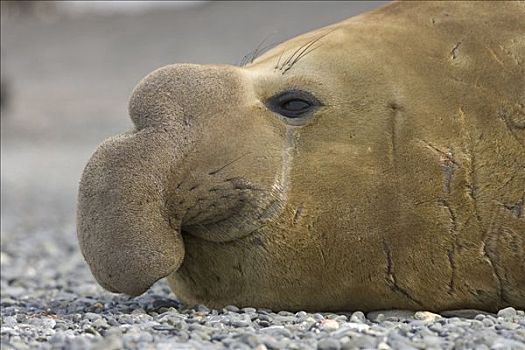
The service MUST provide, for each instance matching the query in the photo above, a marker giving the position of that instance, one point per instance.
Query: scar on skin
(454, 51)
(391, 277)
(297, 215)
(453, 230)
(448, 164)
(395, 113)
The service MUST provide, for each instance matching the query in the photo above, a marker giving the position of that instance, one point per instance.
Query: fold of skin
(404, 189)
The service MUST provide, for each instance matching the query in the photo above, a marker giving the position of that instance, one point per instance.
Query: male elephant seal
(373, 164)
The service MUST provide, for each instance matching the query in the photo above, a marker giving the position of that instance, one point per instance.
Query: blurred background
(67, 69)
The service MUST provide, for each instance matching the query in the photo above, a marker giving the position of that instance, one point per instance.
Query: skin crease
(405, 189)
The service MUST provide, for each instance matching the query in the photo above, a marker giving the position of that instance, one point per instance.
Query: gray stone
(100, 323)
(145, 337)
(433, 341)
(57, 338)
(345, 331)
(328, 344)
(426, 316)
(92, 316)
(241, 323)
(301, 314)
(508, 312)
(363, 341)
(318, 316)
(329, 325)
(112, 342)
(502, 343)
(341, 318)
(507, 325)
(276, 331)
(358, 316)
(464, 313)
(231, 308)
(9, 321)
(285, 313)
(488, 322)
(392, 315)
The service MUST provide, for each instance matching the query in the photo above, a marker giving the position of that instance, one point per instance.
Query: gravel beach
(68, 81)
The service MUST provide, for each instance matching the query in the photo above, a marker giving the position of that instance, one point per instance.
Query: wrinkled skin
(404, 189)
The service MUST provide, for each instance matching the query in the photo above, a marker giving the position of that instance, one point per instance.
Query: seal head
(376, 163)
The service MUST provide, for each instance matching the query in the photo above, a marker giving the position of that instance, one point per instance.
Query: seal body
(399, 182)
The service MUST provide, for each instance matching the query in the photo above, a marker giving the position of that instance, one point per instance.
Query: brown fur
(406, 189)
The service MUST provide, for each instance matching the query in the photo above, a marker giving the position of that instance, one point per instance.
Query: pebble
(358, 317)
(433, 341)
(9, 321)
(329, 325)
(231, 308)
(508, 312)
(507, 325)
(111, 343)
(464, 313)
(364, 341)
(100, 323)
(241, 323)
(5, 259)
(276, 331)
(92, 316)
(301, 315)
(487, 322)
(427, 316)
(383, 346)
(503, 343)
(394, 315)
(357, 326)
(328, 344)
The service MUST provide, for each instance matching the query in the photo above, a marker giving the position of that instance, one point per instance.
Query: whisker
(244, 60)
(303, 49)
(252, 55)
(301, 52)
(263, 50)
(295, 52)
(290, 64)
(279, 60)
(299, 57)
(227, 164)
(258, 50)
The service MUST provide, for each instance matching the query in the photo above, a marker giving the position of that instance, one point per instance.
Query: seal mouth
(245, 220)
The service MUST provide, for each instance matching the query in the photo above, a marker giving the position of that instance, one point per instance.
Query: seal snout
(176, 95)
(130, 208)
(122, 225)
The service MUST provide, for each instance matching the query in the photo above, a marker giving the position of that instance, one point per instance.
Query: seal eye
(293, 103)
(292, 108)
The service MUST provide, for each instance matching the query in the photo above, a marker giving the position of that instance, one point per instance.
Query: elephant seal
(377, 163)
